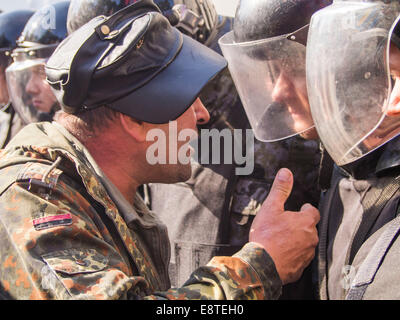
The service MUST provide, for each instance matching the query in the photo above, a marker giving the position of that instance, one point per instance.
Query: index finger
(310, 210)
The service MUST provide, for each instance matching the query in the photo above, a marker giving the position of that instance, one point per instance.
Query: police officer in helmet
(360, 94)
(267, 54)
(352, 71)
(31, 94)
(271, 38)
(11, 26)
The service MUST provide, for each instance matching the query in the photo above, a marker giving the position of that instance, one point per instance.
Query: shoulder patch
(52, 221)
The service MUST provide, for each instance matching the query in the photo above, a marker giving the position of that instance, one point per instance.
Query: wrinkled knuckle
(315, 216)
(311, 221)
(312, 212)
(283, 189)
(308, 223)
(315, 241)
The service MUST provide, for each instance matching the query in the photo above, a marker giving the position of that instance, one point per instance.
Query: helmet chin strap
(48, 116)
(300, 35)
(45, 117)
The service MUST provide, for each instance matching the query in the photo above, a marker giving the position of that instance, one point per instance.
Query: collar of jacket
(376, 163)
(390, 157)
(139, 214)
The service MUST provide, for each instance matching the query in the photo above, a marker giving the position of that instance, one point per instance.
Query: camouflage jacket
(64, 236)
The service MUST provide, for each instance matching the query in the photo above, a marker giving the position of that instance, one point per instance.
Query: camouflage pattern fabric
(58, 243)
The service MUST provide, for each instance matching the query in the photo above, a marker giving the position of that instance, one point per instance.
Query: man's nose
(31, 86)
(202, 114)
(283, 89)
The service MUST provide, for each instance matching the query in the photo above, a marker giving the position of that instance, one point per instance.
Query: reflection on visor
(348, 77)
(271, 81)
(31, 95)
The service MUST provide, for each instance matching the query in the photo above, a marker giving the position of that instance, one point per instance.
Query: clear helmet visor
(350, 59)
(30, 94)
(270, 78)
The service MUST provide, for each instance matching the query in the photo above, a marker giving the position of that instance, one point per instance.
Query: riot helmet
(353, 76)
(11, 25)
(31, 95)
(195, 18)
(266, 52)
(82, 11)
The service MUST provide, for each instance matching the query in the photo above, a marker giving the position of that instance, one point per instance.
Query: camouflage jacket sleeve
(55, 246)
(248, 275)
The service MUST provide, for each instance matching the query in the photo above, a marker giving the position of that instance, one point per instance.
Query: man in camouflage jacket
(59, 243)
(69, 226)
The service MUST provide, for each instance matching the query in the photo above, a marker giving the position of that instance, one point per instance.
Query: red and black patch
(52, 221)
(128, 2)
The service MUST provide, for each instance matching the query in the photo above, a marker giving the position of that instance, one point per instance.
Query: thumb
(280, 191)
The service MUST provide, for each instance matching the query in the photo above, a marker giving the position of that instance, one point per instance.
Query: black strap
(325, 170)
(322, 248)
(375, 200)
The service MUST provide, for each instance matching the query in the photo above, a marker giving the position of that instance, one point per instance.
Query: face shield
(270, 77)
(349, 60)
(31, 95)
(5, 60)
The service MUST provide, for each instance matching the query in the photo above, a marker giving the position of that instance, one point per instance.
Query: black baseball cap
(134, 62)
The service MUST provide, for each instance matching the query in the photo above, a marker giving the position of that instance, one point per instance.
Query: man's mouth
(39, 105)
(36, 103)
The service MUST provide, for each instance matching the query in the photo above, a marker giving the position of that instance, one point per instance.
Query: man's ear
(135, 128)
